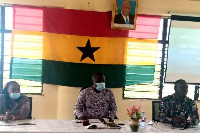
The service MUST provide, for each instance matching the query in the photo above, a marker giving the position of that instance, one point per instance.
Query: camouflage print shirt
(170, 108)
(16, 107)
(95, 105)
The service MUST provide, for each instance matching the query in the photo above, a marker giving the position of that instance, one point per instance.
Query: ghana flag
(65, 46)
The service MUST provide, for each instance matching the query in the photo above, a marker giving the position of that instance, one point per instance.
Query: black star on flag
(88, 51)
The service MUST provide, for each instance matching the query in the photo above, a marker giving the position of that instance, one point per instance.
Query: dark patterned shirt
(171, 108)
(17, 107)
(95, 105)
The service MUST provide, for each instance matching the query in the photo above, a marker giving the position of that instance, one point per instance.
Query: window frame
(4, 31)
(163, 42)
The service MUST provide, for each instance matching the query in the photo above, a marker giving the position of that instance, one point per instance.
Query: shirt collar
(125, 17)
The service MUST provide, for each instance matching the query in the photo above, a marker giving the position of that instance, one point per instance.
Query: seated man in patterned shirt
(96, 102)
(13, 105)
(177, 108)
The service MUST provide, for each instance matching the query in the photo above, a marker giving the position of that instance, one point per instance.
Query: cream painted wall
(45, 106)
(156, 7)
(57, 102)
(67, 97)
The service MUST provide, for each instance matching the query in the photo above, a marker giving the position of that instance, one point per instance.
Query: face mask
(15, 95)
(100, 86)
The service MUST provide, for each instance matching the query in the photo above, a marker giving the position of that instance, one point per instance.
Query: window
(8, 72)
(144, 81)
(168, 89)
(144, 77)
(158, 88)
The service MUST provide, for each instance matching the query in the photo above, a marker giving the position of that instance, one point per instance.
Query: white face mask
(15, 95)
(100, 86)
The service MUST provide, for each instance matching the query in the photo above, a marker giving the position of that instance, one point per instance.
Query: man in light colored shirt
(96, 102)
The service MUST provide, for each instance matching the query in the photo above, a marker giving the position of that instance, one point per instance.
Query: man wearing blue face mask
(15, 106)
(96, 102)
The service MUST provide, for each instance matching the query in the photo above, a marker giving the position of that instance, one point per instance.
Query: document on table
(98, 124)
(94, 121)
(26, 122)
(118, 122)
(9, 123)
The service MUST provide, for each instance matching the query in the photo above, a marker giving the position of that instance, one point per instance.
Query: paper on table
(118, 122)
(26, 122)
(9, 123)
(94, 121)
(106, 120)
(100, 125)
(97, 125)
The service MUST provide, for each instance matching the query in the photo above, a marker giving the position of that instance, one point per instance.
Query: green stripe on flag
(79, 74)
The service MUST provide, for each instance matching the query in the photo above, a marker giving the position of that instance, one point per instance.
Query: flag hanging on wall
(65, 46)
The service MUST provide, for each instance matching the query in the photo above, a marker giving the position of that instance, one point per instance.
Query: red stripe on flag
(82, 23)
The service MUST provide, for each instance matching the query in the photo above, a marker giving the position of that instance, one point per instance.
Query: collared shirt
(171, 108)
(125, 17)
(95, 105)
(20, 106)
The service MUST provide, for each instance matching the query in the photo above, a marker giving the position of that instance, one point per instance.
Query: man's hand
(7, 117)
(82, 118)
(179, 120)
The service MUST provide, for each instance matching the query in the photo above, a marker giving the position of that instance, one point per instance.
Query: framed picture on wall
(124, 14)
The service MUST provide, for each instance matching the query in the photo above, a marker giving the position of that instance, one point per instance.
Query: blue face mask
(15, 95)
(100, 86)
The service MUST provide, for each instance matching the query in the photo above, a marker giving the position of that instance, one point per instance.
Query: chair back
(30, 114)
(155, 110)
(2, 102)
